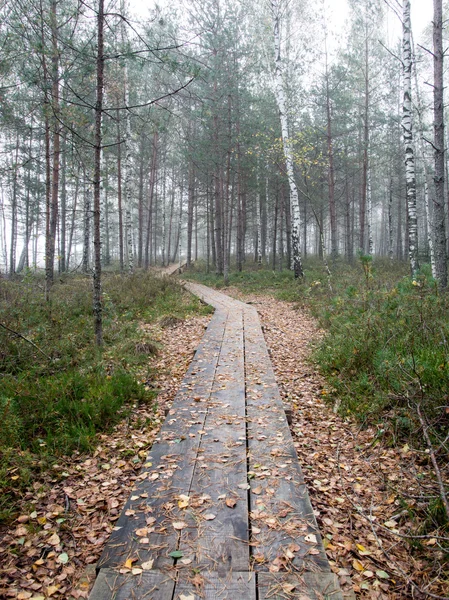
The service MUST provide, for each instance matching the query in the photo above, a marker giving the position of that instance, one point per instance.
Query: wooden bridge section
(220, 509)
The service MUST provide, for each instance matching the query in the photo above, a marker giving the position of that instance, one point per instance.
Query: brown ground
(355, 482)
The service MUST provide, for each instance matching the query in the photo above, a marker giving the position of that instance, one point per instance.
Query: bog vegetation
(57, 389)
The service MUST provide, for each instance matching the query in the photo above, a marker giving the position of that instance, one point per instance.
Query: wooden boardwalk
(220, 509)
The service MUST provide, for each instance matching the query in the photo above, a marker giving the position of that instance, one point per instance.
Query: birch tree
(296, 262)
(438, 112)
(410, 178)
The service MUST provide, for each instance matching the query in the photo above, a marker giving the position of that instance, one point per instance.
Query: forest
(290, 153)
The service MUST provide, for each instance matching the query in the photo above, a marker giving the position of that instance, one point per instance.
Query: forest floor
(355, 482)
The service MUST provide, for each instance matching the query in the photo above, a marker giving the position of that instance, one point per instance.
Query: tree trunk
(296, 263)
(190, 206)
(97, 301)
(56, 144)
(407, 62)
(62, 253)
(153, 171)
(439, 225)
(330, 169)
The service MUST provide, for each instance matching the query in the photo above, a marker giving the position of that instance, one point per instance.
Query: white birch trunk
(427, 177)
(296, 265)
(369, 202)
(259, 222)
(390, 222)
(429, 230)
(410, 179)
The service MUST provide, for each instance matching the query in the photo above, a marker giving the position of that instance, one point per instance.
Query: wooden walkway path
(220, 509)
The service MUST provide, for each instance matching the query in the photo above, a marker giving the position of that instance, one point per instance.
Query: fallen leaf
(147, 566)
(52, 589)
(230, 502)
(183, 501)
(54, 540)
(63, 558)
(129, 563)
(358, 566)
(178, 525)
(209, 517)
(382, 575)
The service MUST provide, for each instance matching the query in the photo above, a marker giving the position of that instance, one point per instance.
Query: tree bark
(97, 300)
(296, 262)
(407, 62)
(439, 225)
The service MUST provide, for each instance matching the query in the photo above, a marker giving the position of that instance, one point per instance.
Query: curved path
(220, 510)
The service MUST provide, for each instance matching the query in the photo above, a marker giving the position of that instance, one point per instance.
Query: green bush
(57, 389)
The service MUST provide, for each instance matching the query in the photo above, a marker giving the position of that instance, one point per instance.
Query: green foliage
(386, 343)
(59, 391)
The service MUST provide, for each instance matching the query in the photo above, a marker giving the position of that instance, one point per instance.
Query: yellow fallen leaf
(129, 563)
(357, 565)
(183, 501)
(363, 551)
(52, 589)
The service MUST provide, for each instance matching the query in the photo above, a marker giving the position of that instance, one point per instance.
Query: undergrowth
(57, 389)
(385, 349)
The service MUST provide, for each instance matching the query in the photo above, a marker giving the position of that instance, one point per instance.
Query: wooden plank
(217, 536)
(169, 467)
(151, 585)
(284, 531)
(211, 586)
(306, 586)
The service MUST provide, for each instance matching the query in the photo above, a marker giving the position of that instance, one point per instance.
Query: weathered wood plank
(169, 467)
(306, 586)
(212, 586)
(217, 536)
(151, 585)
(284, 529)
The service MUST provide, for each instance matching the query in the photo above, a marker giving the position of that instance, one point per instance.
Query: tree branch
(16, 333)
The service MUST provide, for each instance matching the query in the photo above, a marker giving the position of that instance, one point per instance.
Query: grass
(58, 393)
